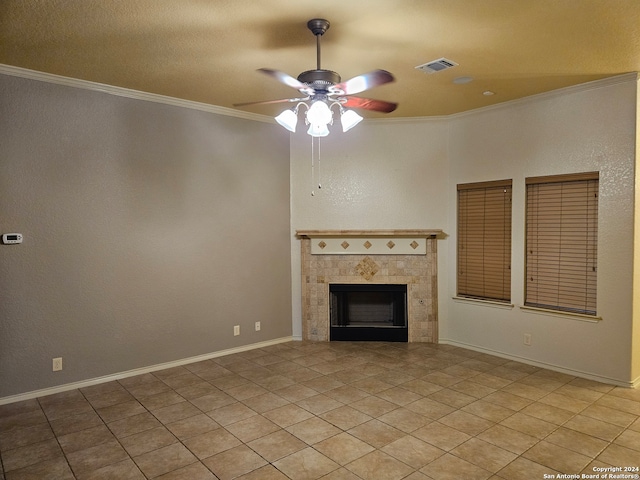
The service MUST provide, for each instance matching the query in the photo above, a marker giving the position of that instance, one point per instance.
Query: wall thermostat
(11, 238)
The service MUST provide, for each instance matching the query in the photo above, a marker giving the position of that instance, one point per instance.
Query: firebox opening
(368, 312)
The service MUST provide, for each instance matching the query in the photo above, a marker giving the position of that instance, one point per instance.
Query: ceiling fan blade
(287, 80)
(369, 104)
(266, 102)
(364, 82)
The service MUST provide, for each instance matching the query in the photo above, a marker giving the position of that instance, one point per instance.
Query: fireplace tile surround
(370, 257)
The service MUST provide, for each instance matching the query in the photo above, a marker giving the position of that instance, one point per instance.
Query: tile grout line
(112, 432)
(371, 358)
(64, 454)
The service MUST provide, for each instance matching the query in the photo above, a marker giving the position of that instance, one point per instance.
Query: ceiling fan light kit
(349, 119)
(323, 90)
(288, 119)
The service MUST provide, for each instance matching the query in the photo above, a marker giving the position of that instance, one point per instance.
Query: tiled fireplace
(370, 257)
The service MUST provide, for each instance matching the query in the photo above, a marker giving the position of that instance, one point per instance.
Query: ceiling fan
(323, 89)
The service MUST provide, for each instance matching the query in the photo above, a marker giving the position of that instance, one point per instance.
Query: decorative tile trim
(371, 242)
(367, 268)
(368, 246)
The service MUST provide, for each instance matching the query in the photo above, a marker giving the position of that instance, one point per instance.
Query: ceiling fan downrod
(319, 79)
(318, 27)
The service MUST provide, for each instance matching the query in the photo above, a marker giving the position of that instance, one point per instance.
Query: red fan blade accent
(369, 104)
(364, 82)
(287, 80)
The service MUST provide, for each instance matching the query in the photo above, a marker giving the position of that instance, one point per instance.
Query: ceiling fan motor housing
(319, 79)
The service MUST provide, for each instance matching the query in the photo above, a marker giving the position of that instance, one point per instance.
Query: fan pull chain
(312, 170)
(319, 171)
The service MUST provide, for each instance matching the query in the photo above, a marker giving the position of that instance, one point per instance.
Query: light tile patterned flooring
(335, 411)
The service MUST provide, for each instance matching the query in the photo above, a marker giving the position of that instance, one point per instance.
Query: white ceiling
(208, 50)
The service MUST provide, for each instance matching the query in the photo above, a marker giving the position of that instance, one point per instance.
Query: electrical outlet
(57, 364)
(257, 326)
(236, 330)
(527, 339)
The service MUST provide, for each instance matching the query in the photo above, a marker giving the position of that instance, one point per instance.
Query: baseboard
(139, 371)
(556, 368)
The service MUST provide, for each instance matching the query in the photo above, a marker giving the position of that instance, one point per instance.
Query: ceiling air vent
(437, 65)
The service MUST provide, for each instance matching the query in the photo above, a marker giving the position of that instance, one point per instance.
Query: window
(484, 240)
(562, 242)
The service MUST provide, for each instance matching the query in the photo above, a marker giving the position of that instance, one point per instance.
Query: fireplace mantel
(398, 256)
(371, 242)
(368, 233)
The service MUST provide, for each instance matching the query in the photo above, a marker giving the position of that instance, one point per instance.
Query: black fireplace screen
(368, 305)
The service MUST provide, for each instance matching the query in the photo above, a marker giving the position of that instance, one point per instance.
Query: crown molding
(582, 87)
(128, 93)
(229, 112)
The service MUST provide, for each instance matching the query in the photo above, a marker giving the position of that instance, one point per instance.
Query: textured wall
(635, 345)
(380, 175)
(579, 130)
(404, 175)
(149, 231)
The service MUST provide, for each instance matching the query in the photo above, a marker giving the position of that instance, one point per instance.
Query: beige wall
(380, 175)
(578, 130)
(386, 174)
(149, 231)
(145, 224)
(635, 345)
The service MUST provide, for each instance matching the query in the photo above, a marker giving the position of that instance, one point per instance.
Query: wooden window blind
(484, 240)
(562, 242)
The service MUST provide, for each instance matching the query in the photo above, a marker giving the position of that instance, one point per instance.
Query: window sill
(484, 303)
(558, 313)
